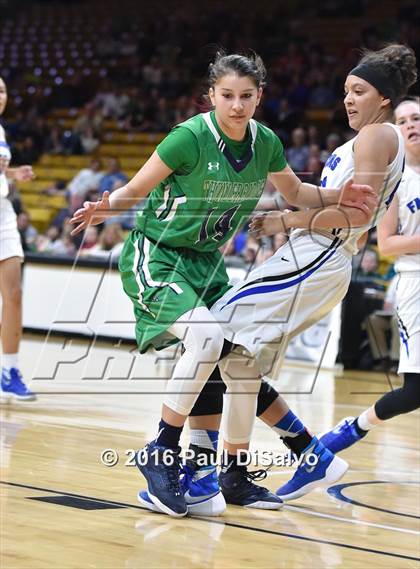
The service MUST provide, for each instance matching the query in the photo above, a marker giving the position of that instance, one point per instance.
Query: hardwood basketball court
(62, 507)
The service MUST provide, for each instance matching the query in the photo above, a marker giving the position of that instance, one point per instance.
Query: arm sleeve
(278, 159)
(179, 150)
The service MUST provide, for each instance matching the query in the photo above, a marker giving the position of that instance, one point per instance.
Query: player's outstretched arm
(303, 195)
(331, 217)
(148, 177)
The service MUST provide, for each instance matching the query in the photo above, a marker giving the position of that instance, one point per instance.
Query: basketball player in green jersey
(204, 180)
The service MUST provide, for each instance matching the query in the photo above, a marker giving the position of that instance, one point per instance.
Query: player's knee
(242, 386)
(266, 396)
(411, 392)
(400, 401)
(212, 343)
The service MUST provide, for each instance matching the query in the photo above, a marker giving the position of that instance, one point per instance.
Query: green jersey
(212, 191)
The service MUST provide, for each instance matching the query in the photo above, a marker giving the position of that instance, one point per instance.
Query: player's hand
(360, 196)
(24, 174)
(268, 223)
(92, 213)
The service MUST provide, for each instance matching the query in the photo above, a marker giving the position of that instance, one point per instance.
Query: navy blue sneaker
(239, 489)
(145, 500)
(13, 387)
(161, 468)
(322, 470)
(341, 436)
(201, 492)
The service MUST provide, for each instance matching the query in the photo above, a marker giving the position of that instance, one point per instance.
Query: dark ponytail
(251, 66)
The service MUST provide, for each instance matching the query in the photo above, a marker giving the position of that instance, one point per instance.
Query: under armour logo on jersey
(213, 166)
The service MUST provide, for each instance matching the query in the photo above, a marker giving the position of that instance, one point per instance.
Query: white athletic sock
(204, 438)
(364, 422)
(10, 360)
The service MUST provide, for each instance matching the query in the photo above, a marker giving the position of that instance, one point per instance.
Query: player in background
(11, 257)
(399, 235)
(204, 180)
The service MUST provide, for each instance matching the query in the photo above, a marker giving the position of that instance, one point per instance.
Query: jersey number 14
(221, 226)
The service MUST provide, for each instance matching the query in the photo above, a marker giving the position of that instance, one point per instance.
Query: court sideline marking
(228, 524)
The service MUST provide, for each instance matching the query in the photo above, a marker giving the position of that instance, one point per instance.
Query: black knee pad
(210, 400)
(266, 396)
(400, 401)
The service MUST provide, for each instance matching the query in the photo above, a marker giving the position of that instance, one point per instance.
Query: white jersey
(10, 244)
(6, 155)
(340, 167)
(409, 216)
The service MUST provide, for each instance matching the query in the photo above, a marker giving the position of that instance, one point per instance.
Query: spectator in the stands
(333, 141)
(27, 153)
(113, 178)
(184, 109)
(39, 130)
(365, 269)
(298, 153)
(164, 120)
(27, 231)
(57, 188)
(300, 91)
(286, 116)
(60, 241)
(86, 180)
(152, 72)
(88, 140)
(382, 330)
(270, 199)
(110, 242)
(63, 215)
(90, 117)
(90, 239)
(48, 242)
(111, 102)
(313, 135)
(314, 170)
(16, 128)
(71, 143)
(15, 198)
(322, 96)
(55, 143)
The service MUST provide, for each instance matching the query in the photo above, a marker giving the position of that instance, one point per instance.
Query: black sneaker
(239, 489)
(161, 468)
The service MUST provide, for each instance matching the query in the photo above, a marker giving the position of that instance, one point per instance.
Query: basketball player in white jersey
(399, 235)
(11, 257)
(310, 274)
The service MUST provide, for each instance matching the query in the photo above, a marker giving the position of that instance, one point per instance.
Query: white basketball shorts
(10, 244)
(408, 313)
(289, 292)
